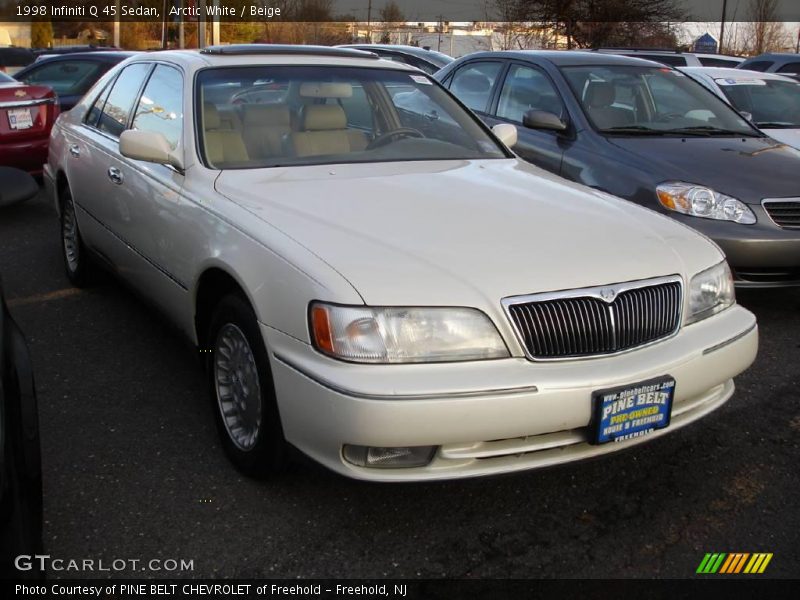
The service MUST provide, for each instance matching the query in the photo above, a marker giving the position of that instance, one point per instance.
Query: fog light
(389, 458)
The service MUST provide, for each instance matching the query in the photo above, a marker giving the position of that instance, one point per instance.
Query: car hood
(464, 232)
(746, 168)
(790, 137)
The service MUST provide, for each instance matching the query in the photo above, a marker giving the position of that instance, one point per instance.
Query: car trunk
(26, 112)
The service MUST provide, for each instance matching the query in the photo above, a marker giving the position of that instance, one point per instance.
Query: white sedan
(771, 101)
(391, 291)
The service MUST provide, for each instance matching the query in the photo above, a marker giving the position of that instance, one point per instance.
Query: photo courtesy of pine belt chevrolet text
(372, 276)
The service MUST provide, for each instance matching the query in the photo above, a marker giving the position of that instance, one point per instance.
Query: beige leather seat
(264, 127)
(323, 130)
(222, 145)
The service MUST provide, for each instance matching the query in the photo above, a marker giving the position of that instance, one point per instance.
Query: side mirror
(150, 146)
(542, 119)
(506, 133)
(16, 186)
(746, 115)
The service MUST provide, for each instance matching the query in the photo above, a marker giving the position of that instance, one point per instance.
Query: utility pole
(369, 22)
(441, 26)
(797, 47)
(116, 25)
(722, 27)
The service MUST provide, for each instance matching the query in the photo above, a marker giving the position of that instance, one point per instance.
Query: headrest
(266, 114)
(322, 117)
(600, 94)
(325, 89)
(210, 116)
(473, 82)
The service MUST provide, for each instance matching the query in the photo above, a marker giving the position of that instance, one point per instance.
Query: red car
(27, 113)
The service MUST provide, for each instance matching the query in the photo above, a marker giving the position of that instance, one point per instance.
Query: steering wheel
(387, 137)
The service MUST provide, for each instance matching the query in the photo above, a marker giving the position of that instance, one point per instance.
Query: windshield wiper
(708, 130)
(634, 129)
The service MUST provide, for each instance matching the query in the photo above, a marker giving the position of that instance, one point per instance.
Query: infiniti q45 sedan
(390, 291)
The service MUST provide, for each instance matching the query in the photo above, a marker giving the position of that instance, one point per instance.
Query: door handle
(115, 175)
(75, 150)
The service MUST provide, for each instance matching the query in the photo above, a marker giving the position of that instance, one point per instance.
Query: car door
(93, 164)
(150, 195)
(526, 87)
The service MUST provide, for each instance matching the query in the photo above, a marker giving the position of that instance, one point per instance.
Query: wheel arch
(213, 284)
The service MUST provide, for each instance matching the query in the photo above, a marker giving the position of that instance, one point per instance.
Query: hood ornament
(608, 294)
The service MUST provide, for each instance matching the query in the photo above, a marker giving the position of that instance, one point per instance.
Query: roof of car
(776, 56)
(563, 58)
(424, 53)
(272, 54)
(107, 56)
(732, 73)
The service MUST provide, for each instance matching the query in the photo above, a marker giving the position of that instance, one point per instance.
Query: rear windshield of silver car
(269, 116)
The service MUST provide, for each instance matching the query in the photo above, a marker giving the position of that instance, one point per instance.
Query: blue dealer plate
(632, 411)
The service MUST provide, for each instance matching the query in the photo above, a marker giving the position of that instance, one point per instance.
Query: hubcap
(237, 386)
(69, 233)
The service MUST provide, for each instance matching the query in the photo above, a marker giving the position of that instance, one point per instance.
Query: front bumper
(760, 255)
(493, 416)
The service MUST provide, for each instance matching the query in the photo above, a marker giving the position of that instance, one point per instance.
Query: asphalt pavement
(133, 469)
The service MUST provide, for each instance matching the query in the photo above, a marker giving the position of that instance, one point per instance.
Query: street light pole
(722, 26)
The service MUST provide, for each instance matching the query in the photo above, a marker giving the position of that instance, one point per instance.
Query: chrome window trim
(598, 293)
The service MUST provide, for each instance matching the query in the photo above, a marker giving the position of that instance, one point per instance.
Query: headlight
(404, 335)
(710, 292)
(699, 201)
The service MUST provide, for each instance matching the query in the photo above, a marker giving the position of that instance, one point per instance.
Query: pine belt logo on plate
(721, 563)
(633, 411)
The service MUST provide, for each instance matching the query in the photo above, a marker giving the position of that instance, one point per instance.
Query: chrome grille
(596, 321)
(784, 212)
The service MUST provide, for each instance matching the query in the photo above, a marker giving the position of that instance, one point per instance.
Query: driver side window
(525, 89)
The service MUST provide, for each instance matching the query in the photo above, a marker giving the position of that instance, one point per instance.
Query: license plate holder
(631, 411)
(20, 118)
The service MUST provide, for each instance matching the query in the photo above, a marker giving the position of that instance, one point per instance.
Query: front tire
(77, 262)
(242, 391)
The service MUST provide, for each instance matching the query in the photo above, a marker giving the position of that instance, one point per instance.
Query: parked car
(20, 454)
(774, 62)
(43, 53)
(403, 298)
(12, 59)
(652, 135)
(27, 113)
(676, 58)
(426, 59)
(771, 101)
(71, 74)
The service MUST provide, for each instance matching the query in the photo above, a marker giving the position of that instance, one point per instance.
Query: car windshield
(253, 117)
(649, 101)
(774, 104)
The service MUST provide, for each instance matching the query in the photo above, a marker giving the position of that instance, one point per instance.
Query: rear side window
(527, 89)
(161, 105)
(473, 84)
(793, 67)
(117, 108)
(708, 61)
(759, 65)
(66, 77)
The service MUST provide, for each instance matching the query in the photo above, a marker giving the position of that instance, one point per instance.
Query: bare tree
(764, 32)
(391, 13)
(588, 23)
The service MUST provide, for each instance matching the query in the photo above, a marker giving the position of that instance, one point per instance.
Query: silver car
(390, 290)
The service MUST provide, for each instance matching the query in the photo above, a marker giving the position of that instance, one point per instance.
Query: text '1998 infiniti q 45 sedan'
(392, 292)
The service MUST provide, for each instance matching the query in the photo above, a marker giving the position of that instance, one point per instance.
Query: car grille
(596, 321)
(785, 212)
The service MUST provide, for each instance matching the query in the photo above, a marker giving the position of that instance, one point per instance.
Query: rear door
(526, 87)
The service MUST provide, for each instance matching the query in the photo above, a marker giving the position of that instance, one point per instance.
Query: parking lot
(133, 467)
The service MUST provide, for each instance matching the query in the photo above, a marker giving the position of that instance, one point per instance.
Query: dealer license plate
(20, 118)
(632, 411)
